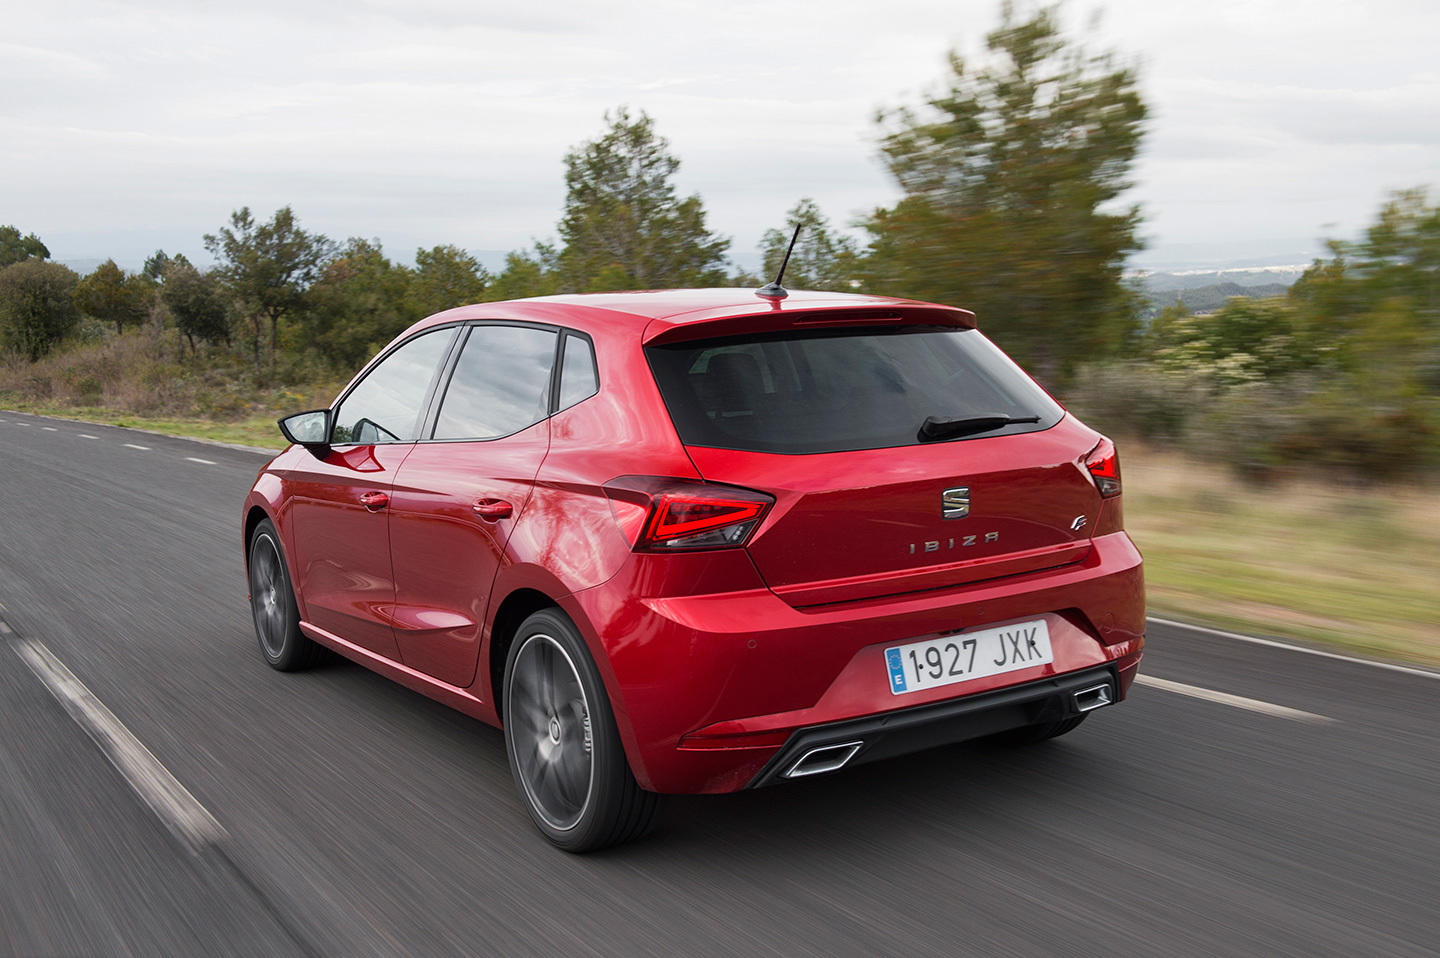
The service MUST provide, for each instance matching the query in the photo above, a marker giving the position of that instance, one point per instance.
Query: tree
(37, 306)
(158, 263)
(109, 295)
(821, 260)
(623, 226)
(359, 303)
(528, 274)
(196, 302)
(1010, 181)
(445, 277)
(15, 248)
(267, 267)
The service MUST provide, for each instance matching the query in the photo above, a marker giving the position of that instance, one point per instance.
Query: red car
(701, 541)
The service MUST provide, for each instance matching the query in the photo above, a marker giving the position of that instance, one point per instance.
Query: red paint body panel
(711, 659)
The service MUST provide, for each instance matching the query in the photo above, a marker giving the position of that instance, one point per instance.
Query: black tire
(564, 749)
(272, 605)
(1030, 734)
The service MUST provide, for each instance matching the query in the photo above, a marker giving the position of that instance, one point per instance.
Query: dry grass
(1342, 565)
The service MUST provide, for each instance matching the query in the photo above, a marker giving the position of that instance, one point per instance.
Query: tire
(1030, 734)
(272, 605)
(564, 749)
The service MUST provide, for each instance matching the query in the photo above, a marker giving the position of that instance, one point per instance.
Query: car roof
(667, 309)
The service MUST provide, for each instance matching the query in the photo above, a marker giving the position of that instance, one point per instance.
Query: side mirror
(309, 429)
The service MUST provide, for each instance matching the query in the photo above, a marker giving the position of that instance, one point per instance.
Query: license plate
(969, 655)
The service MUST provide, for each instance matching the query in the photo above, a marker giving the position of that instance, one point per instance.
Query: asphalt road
(359, 818)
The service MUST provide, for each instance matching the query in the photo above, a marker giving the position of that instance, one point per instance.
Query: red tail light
(1104, 465)
(658, 514)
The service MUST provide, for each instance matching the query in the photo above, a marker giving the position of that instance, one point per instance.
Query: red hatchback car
(700, 541)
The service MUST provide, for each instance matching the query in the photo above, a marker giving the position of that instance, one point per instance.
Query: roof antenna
(775, 290)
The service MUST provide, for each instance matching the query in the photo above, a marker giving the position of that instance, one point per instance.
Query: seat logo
(955, 503)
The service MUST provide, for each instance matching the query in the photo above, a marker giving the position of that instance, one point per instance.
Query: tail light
(1104, 465)
(658, 514)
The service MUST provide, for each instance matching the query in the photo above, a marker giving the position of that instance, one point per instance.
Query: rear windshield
(837, 390)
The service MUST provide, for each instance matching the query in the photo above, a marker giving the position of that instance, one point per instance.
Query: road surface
(1252, 799)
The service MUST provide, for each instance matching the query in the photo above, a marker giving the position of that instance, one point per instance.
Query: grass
(1329, 563)
(259, 431)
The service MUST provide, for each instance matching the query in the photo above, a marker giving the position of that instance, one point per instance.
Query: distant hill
(1206, 290)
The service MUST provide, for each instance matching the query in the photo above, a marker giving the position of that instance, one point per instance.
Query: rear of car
(893, 539)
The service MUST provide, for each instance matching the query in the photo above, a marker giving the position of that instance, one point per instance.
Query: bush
(1138, 399)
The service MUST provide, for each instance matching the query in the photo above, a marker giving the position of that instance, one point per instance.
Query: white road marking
(49, 428)
(1256, 640)
(131, 445)
(203, 462)
(86, 435)
(19, 423)
(1237, 701)
(191, 823)
(4, 627)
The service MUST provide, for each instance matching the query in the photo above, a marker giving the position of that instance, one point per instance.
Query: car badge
(955, 503)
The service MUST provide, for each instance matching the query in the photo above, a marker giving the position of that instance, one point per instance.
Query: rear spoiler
(775, 317)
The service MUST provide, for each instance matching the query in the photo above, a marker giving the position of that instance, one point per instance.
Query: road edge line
(1256, 640)
(1235, 701)
(171, 802)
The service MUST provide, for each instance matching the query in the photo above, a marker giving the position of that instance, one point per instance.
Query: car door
(338, 503)
(458, 496)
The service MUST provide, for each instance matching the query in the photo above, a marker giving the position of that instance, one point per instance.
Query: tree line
(1011, 180)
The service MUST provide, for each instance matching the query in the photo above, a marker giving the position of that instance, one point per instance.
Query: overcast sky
(130, 126)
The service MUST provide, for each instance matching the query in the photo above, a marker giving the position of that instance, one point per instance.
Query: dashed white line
(203, 462)
(1236, 701)
(49, 428)
(131, 445)
(86, 435)
(4, 627)
(1256, 640)
(191, 823)
(19, 423)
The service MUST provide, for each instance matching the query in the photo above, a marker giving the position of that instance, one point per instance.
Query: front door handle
(492, 508)
(374, 501)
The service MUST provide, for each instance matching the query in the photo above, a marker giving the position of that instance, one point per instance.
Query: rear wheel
(564, 748)
(272, 605)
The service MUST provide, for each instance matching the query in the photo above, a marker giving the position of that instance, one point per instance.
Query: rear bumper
(710, 684)
(890, 734)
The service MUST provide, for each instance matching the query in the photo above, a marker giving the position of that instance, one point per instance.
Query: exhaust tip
(826, 758)
(1097, 696)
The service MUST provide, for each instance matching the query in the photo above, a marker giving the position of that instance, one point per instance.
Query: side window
(501, 383)
(577, 374)
(385, 406)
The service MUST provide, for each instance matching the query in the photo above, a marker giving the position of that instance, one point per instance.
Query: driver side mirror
(309, 429)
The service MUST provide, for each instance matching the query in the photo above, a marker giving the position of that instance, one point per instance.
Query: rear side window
(501, 383)
(836, 390)
(577, 374)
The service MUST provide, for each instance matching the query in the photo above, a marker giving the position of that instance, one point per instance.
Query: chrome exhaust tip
(826, 758)
(1097, 696)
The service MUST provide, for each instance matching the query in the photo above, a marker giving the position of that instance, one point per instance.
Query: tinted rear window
(836, 390)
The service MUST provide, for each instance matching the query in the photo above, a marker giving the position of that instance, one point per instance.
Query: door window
(501, 383)
(386, 405)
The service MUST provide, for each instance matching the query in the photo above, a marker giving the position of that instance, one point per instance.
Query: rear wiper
(935, 427)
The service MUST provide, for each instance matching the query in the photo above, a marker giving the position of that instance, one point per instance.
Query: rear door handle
(374, 501)
(492, 508)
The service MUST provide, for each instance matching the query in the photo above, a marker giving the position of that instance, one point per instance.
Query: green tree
(1010, 180)
(822, 259)
(527, 274)
(623, 225)
(15, 248)
(196, 302)
(360, 302)
(37, 306)
(158, 263)
(445, 277)
(267, 267)
(111, 296)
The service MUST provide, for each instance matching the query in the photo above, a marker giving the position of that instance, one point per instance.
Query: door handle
(374, 501)
(492, 508)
